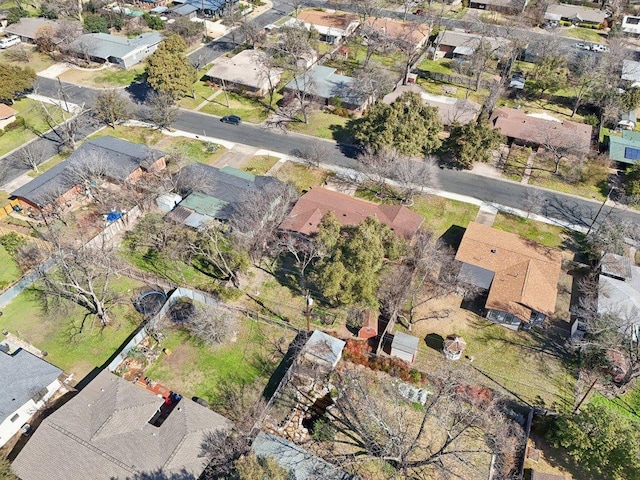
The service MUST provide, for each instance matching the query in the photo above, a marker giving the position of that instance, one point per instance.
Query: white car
(582, 46)
(9, 41)
(598, 47)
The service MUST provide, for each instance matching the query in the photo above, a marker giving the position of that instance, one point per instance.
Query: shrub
(153, 22)
(323, 431)
(95, 24)
(591, 119)
(12, 242)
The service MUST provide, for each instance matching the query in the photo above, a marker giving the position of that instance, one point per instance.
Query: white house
(631, 25)
(27, 382)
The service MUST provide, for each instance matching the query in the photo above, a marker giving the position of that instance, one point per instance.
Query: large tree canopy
(601, 441)
(473, 142)
(15, 80)
(169, 70)
(354, 258)
(408, 125)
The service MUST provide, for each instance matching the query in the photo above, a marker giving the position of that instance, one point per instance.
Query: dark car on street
(232, 119)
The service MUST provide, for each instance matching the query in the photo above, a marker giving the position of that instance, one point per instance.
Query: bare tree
(305, 251)
(162, 110)
(456, 434)
(255, 220)
(31, 155)
(314, 152)
(414, 175)
(376, 166)
(82, 276)
(372, 81)
(612, 336)
(253, 33)
(113, 106)
(212, 325)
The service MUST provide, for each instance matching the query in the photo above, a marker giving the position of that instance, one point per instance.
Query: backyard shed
(323, 349)
(404, 347)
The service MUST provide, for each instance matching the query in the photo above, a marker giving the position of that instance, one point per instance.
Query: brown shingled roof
(307, 213)
(541, 131)
(331, 19)
(399, 30)
(6, 111)
(526, 273)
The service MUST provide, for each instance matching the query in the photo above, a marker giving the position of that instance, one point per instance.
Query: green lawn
(543, 233)
(302, 176)
(321, 124)
(197, 150)
(439, 213)
(43, 167)
(586, 34)
(104, 77)
(516, 163)
(202, 92)
(438, 88)
(260, 164)
(591, 185)
(194, 369)
(10, 271)
(148, 136)
(175, 271)
(249, 109)
(51, 330)
(437, 66)
(37, 61)
(628, 405)
(29, 110)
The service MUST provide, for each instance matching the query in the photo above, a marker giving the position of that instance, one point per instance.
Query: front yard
(303, 177)
(320, 124)
(249, 109)
(35, 124)
(543, 233)
(104, 76)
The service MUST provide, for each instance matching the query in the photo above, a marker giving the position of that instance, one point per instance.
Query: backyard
(245, 365)
(36, 60)
(10, 271)
(56, 330)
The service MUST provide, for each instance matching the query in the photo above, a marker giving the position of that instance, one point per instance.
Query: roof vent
(493, 250)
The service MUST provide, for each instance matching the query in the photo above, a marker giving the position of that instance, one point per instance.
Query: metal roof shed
(404, 347)
(323, 349)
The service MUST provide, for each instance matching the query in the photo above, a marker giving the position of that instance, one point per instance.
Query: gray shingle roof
(22, 375)
(323, 82)
(103, 45)
(103, 434)
(119, 157)
(28, 27)
(228, 188)
(303, 464)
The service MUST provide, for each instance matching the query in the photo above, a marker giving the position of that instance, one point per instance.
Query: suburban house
(625, 148)
(120, 51)
(206, 8)
(520, 275)
(333, 27)
(541, 129)
(322, 350)
(323, 85)
(575, 14)
(27, 28)
(307, 213)
(410, 33)
(450, 110)
(458, 44)
(631, 72)
(245, 72)
(115, 429)
(185, 10)
(211, 193)
(7, 115)
(619, 292)
(631, 25)
(300, 462)
(107, 157)
(508, 7)
(404, 346)
(27, 383)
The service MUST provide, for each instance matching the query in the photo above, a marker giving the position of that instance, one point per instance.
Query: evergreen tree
(14, 81)
(408, 125)
(473, 142)
(168, 69)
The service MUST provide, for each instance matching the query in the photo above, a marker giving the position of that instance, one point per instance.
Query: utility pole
(309, 302)
(585, 396)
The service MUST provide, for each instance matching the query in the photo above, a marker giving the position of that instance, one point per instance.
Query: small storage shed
(404, 347)
(453, 347)
(323, 349)
(168, 201)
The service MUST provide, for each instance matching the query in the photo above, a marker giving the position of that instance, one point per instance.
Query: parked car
(582, 46)
(598, 47)
(9, 41)
(232, 119)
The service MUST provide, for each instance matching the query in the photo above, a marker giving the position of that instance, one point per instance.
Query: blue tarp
(113, 216)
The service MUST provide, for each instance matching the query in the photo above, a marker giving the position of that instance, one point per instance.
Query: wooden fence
(7, 209)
